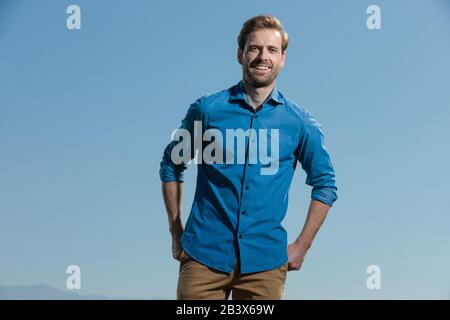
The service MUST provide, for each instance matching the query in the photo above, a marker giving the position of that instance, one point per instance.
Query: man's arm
(316, 162)
(173, 195)
(297, 250)
(171, 175)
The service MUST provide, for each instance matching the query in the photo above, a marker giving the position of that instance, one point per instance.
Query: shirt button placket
(243, 212)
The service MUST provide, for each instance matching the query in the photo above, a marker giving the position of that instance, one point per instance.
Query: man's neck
(257, 96)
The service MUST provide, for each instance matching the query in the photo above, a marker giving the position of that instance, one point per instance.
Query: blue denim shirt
(238, 209)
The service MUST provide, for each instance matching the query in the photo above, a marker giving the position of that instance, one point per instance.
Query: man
(233, 241)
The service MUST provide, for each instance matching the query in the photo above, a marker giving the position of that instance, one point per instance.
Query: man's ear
(239, 55)
(283, 58)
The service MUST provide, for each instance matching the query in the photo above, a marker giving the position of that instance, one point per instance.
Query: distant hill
(44, 292)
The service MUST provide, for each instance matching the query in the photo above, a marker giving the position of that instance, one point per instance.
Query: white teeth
(259, 67)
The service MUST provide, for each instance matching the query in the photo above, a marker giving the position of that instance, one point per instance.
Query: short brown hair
(262, 22)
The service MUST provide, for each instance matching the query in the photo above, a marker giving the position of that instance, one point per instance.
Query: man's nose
(264, 54)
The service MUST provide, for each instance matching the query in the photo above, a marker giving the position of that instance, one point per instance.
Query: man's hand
(177, 249)
(296, 254)
(176, 230)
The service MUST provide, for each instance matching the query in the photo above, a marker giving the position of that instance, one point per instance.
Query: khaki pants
(199, 282)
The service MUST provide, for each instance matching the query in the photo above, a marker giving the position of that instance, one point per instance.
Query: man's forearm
(296, 251)
(173, 195)
(317, 213)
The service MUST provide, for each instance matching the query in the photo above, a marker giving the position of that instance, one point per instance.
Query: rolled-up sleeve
(316, 161)
(170, 170)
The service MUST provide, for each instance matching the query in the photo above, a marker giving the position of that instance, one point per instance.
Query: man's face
(262, 58)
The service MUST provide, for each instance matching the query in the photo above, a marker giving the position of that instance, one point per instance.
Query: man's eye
(252, 49)
(273, 50)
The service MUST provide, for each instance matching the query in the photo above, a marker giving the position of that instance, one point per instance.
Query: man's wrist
(176, 227)
(302, 243)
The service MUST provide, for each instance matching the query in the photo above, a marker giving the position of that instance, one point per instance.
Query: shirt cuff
(169, 174)
(326, 195)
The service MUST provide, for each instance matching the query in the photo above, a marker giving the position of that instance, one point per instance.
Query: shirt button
(246, 187)
(244, 212)
(240, 236)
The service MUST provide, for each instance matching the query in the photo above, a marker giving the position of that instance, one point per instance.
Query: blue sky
(85, 115)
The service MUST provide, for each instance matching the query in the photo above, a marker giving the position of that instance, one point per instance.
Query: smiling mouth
(261, 67)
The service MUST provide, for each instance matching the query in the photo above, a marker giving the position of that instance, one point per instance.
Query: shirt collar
(237, 93)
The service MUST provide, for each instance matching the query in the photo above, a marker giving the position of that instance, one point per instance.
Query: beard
(259, 79)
